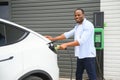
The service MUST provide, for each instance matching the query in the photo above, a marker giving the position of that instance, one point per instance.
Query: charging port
(51, 46)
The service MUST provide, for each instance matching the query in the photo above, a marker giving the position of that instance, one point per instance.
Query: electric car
(25, 54)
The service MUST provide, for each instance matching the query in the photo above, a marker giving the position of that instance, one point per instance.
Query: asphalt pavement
(65, 79)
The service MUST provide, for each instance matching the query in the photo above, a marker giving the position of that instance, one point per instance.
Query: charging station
(98, 21)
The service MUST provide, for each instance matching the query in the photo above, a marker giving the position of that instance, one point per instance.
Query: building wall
(4, 0)
(111, 10)
(53, 17)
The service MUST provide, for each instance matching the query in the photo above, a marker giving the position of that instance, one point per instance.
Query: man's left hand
(63, 46)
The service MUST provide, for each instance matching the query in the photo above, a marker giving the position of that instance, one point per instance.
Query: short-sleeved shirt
(84, 34)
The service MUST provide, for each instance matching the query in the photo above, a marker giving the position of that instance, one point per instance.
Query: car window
(2, 35)
(11, 34)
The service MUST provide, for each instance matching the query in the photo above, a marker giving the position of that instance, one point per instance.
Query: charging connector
(57, 47)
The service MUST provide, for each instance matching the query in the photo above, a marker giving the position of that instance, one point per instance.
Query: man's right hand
(49, 37)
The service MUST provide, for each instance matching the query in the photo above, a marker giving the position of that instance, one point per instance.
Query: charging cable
(71, 65)
(57, 48)
(99, 69)
(71, 74)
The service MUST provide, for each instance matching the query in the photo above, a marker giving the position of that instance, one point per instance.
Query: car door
(11, 61)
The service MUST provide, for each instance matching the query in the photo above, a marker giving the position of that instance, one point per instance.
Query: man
(84, 44)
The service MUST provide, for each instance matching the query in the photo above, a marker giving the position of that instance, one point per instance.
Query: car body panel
(10, 67)
(30, 54)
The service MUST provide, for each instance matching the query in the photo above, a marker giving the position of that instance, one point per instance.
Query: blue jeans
(88, 64)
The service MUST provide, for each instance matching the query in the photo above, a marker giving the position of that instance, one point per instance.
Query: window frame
(26, 33)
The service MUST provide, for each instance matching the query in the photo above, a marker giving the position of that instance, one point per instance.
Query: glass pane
(2, 35)
(14, 34)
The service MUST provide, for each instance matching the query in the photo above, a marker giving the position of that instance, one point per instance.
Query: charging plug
(57, 47)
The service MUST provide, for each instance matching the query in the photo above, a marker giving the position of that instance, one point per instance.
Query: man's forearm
(68, 44)
(71, 44)
(61, 37)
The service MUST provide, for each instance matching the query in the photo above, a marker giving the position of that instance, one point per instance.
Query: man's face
(78, 16)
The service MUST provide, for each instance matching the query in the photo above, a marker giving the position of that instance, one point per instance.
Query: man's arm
(69, 44)
(61, 37)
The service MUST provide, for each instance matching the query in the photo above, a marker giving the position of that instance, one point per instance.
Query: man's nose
(76, 17)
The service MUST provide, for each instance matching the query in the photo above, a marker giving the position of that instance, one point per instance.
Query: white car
(25, 54)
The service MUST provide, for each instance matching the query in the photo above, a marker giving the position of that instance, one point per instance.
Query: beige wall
(111, 10)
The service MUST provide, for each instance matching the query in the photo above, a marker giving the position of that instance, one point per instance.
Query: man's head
(79, 15)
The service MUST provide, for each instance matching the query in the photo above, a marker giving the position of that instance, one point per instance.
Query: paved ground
(69, 79)
(65, 79)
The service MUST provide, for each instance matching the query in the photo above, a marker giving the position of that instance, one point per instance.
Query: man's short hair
(80, 9)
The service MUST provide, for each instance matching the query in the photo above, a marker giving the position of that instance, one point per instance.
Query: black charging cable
(99, 69)
(55, 49)
(71, 73)
(71, 65)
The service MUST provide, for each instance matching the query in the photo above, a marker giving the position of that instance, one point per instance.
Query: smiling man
(83, 33)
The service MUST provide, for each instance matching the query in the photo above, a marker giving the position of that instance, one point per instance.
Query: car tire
(33, 78)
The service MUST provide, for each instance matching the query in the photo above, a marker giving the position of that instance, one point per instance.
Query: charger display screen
(98, 39)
